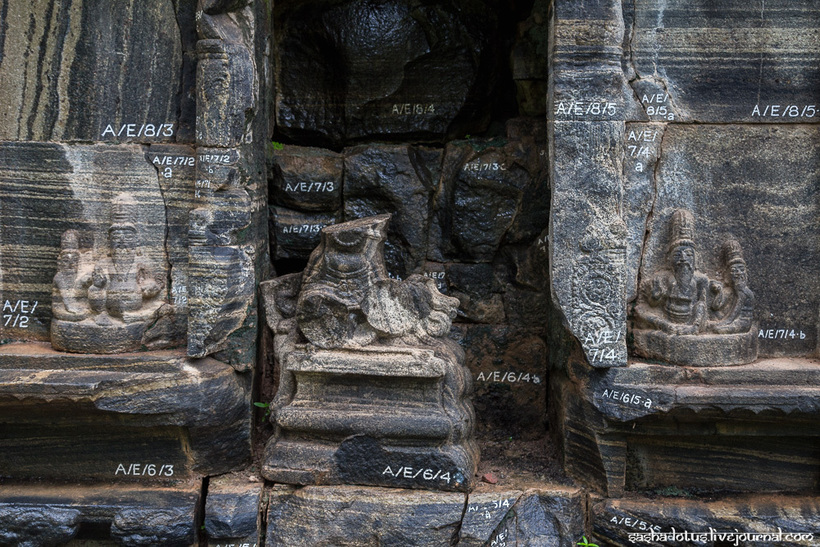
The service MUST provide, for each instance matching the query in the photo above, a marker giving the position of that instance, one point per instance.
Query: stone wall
(201, 344)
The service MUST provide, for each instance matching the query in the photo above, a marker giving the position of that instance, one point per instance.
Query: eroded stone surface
(96, 76)
(535, 516)
(140, 416)
(348, 516)
(233, 509)
(624, 522)
(36, 515)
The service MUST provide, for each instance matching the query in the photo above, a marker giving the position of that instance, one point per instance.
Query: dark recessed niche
(400, 70)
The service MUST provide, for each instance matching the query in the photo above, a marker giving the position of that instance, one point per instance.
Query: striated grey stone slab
(233, 510)
(136, 417)
(54, 514)
(360, 516)
(740, 63)
(101, 71)
(757, 519)
(537, 516)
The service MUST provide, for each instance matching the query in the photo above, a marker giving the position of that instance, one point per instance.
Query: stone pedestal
(650, 428)
(387, 416)
(697, 350)
(132, 417)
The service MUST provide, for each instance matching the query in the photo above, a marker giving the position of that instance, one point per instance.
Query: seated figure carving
(684, 317)
(737, 301)
(105, 307)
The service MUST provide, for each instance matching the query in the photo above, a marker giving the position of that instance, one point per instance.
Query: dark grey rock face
(140, 416)
(354, 70)
(400, 180)
(38, 515)
(28, 526)
(491, 193)
(774, 84)
(357, 516)
(306, 179)
(233, 509)
(624, 522)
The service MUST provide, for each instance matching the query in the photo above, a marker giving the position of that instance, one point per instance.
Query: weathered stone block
(509, 370)
(55, 514)
(777, 83)
(357, 516)
(536, 516)
(624, 430)
(395, 179)
(233, 510)
(295, 234)
(105, 71)
(761, 520)
(490, 193)
(306, 179)
(136, 417)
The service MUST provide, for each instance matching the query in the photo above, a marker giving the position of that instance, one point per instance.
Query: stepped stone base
(382, 416)
(697, 350)
(138, 417)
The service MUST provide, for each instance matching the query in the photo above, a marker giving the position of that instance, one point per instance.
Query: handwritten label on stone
(145, 470)
(784, 110)
(627, 398)
(781, 334)
(407, 472)
(131, 130)
(18, 314)
(487, 509)
(584, 108)
(412, 108)
(509, 377)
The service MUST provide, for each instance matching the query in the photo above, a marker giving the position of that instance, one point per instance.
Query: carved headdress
(681, 229)
(732, 253)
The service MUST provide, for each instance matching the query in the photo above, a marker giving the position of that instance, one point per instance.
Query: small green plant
(266, 406)
(585, 543)
(278, 145)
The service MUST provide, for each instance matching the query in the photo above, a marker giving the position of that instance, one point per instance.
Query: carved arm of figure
(717, 296)
(649, 309)
(147, 282)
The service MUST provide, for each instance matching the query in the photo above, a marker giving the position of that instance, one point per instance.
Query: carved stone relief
(104, 305)
(683, 317)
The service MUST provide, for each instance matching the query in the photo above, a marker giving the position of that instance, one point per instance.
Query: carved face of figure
(123, 243)
(737, 272)
(68, 260)
(683, 261)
